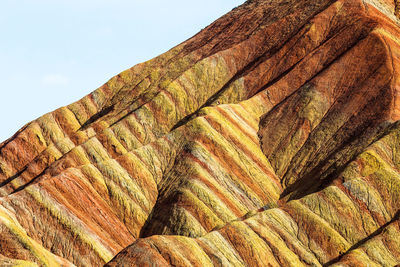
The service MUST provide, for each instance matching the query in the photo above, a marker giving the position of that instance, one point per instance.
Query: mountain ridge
(269, 138)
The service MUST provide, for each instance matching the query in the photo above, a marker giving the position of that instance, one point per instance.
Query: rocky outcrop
(269, 138)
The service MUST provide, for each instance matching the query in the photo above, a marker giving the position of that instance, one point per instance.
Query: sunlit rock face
(271, 138)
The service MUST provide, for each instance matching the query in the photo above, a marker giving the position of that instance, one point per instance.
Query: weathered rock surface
(271, 138)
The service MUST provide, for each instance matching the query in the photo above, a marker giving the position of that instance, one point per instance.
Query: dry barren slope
(269, 138)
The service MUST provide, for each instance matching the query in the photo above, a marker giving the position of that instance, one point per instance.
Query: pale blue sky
(53, 52)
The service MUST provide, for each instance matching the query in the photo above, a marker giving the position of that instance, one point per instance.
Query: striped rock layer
(271, 138)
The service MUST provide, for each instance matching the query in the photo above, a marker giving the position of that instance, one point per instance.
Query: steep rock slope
(269, 138)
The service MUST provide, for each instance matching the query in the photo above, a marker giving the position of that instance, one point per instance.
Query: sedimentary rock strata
(270, 138)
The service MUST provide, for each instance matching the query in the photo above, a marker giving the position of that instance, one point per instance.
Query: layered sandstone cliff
(271, 138)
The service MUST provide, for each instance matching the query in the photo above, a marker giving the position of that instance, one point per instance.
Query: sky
(54, 52)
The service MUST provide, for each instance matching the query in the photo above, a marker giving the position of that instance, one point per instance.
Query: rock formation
(270, 138)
